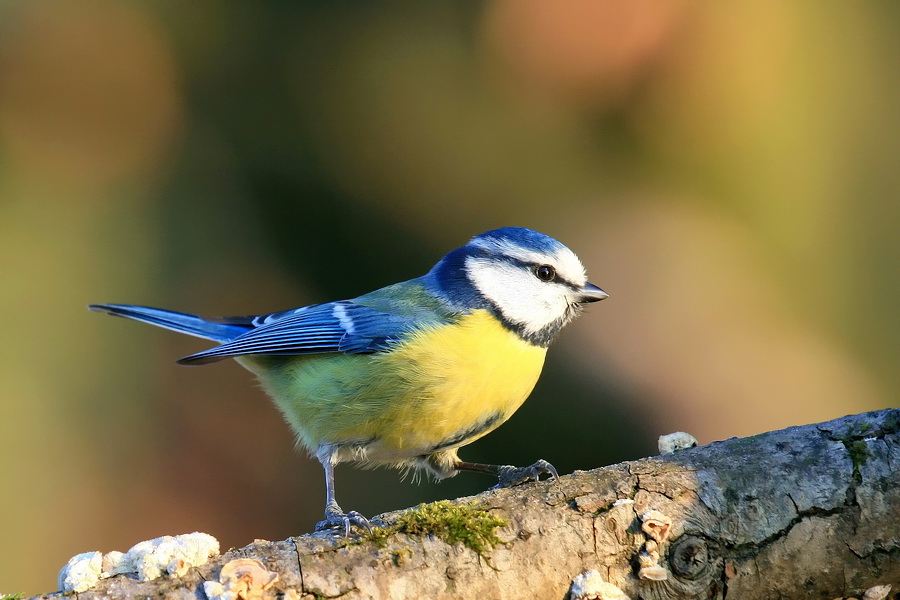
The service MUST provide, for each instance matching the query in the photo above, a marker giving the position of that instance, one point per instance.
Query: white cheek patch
(519, 296)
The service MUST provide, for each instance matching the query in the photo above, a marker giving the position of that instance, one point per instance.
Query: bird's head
(530, 281)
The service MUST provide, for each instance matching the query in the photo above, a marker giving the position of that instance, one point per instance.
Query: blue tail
(182, 322)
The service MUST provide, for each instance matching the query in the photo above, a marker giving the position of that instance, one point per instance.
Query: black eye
(545, 273)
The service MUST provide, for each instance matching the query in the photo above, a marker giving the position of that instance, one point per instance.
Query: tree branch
(806, 512)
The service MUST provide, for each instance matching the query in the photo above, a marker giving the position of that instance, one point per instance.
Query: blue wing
(343, 326)
(369, 323)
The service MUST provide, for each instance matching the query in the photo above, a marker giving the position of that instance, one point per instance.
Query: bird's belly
(442, 388)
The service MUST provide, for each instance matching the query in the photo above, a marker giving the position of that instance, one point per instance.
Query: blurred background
(727, 171)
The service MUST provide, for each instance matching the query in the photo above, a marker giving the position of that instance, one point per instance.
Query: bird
(408, 374)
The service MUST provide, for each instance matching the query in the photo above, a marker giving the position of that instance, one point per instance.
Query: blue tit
(406, 375)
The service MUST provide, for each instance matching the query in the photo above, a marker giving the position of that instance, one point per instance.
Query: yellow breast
(461, 381)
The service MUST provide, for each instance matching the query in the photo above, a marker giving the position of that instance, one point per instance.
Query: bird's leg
(334, 516)
(508, 475)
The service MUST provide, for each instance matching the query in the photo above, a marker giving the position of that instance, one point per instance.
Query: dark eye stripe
(557, 278)
(531, 266)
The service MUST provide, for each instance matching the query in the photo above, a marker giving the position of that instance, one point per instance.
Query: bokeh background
(727, 171)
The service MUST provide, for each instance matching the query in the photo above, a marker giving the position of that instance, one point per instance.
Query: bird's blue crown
(527, 239)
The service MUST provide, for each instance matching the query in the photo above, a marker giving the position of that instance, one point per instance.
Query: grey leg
(334, 516)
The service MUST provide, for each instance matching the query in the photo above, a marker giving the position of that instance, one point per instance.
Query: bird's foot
(509, 476)
(335, 517)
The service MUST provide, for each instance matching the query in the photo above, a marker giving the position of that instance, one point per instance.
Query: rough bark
(806, 512)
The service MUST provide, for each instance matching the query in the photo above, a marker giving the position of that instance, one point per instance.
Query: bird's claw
(510, 476)
(335, 517)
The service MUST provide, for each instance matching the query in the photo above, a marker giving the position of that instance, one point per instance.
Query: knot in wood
(689, 557)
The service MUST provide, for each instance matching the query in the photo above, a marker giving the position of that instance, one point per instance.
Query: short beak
(591, 293)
